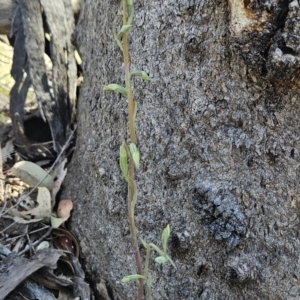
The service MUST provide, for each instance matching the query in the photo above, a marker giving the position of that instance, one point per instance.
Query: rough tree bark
(218, 132)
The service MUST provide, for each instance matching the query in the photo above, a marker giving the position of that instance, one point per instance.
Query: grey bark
(8, 7)
(218, 132)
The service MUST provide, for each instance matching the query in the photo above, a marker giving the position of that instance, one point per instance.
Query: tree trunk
(218, 132)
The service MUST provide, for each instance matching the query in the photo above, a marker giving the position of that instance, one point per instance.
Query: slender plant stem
(131, 163)
(135, 243)
(148, 283)
(127, 80)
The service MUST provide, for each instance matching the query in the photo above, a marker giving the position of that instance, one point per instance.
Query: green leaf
(117, 39)
(170, 261)
(130, 11)
(145, 244)
(145, 76)
(124, 161)
(167, 258)
(164, 238)
(161, 259)
(133, 277)
(124, 29)
(116, 88)
(135, 155)
(141, 74)
(160, 252)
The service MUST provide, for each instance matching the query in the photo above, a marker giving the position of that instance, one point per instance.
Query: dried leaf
(43, 210)
(23, 221)
(63, 232)
(66, 243)
(56, 222)
(32, 174)
(26, 202)
(7, 150)
(23, 217)
(44, 203)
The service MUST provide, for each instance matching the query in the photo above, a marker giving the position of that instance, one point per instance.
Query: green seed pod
(133, 277)
(116, 88)
(145, 76)
(164, 237)
(124, 29)
(161, 259)
(124, 161)
(135, 155)
(141, 74)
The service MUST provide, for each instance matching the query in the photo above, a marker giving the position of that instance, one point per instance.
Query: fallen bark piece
(48, 279)
(31, 290)
(81, 289)
(77, 266)
(59, 173)
(15, 269)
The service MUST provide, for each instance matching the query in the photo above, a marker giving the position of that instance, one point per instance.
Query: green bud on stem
(135, 155)
(116, 88)
(124, 161)
(141, 74)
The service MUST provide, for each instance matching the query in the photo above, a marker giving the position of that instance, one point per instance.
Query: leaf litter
(35, 245)
(38, 254)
